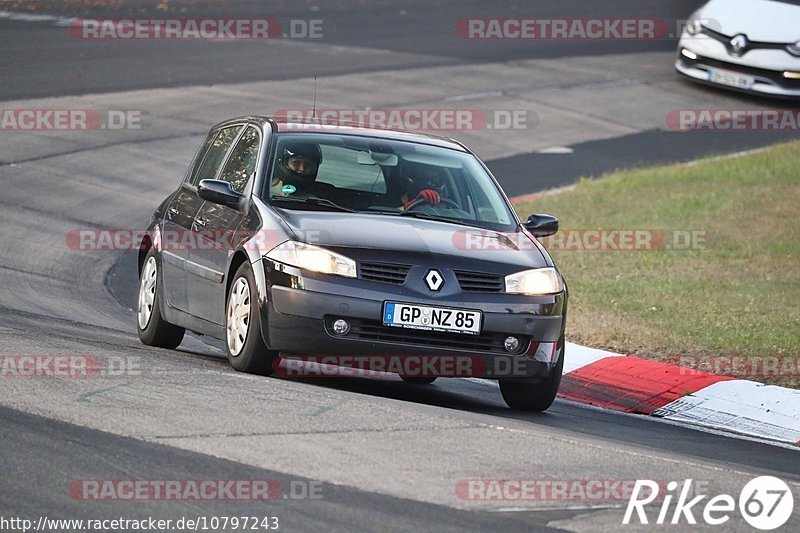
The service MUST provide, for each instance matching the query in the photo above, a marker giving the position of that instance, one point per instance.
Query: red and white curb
(635, 385)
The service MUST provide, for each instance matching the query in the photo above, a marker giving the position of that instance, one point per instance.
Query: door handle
(172, 211)
(200, 221)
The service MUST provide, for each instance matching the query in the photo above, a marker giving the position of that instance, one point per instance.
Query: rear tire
(243, 342)
(534, 397)
(153, 329)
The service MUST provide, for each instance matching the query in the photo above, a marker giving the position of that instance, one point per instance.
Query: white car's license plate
(731, 79)
(432, 318)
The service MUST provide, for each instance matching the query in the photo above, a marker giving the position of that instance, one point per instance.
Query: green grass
(737, 294)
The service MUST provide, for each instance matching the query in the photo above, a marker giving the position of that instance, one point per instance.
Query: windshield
(379, 176)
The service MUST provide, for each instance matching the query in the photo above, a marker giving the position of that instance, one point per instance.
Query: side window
(340, 167)
(198, 158)
(216, 154)
(241, 164)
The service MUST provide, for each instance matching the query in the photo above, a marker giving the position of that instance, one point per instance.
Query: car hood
(761, 20)
(413, 236)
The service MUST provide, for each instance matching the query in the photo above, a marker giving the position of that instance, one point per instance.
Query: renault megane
(287, 240)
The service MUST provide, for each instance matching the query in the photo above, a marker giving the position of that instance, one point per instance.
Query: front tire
(243, 342)
(153, 329)
(534, 397)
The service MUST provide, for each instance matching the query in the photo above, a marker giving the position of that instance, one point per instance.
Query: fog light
(791, 75)
(511, 344)
(341, 327)
(688, 53)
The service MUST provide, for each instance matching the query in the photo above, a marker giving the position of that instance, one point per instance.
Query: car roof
(281, 125)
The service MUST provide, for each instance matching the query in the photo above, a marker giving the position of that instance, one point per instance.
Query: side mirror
(219, 192)
(542, 225)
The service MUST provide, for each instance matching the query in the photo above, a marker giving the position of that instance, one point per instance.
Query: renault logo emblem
(434, 279)
(738, 45)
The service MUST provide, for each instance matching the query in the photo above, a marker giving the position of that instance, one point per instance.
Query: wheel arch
(144, 249)
(237, 260)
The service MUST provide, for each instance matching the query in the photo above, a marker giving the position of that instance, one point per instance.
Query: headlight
(794, 49)
(694, 26)
(537, 281)
(314, 258)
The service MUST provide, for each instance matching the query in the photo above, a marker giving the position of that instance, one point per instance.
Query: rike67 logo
(766, 503)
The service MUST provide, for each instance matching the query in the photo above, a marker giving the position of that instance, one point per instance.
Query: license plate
(428, 318)
(731, 79)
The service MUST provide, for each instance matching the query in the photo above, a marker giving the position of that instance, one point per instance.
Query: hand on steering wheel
(426, 195)
(443, 201)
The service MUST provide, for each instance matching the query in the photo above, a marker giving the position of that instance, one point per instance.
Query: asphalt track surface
(388, 454)
(49, 62)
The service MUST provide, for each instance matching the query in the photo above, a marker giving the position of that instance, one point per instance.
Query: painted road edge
(635, 385)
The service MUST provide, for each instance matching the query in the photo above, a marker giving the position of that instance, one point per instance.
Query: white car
(746, 45)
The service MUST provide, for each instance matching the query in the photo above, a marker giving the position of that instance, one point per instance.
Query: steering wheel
(446, 201)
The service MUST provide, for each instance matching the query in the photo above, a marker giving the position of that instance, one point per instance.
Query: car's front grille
(485, 342)
(384, 272)
(775, 77)
(479, 281)
(751, 45)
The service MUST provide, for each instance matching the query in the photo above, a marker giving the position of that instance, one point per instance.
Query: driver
(422, 183)
(297, 166)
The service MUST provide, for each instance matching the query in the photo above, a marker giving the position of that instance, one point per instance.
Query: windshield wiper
(426, 216)
(313, 200)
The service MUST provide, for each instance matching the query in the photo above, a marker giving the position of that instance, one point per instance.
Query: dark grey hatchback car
(291, 240)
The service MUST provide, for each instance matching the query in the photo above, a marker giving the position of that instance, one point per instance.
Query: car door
(216, 225)
(179, 219)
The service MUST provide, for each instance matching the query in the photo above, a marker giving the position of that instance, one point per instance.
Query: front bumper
(766, 67)
(299, 310)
